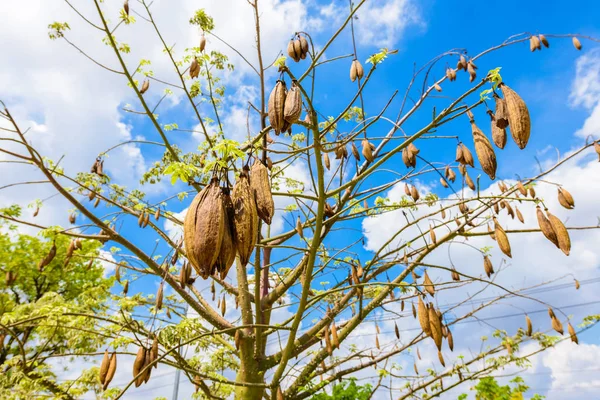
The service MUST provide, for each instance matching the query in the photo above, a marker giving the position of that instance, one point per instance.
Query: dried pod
(441, 358)
(518, 116)
(355, 152)
(227, 250)
(462, 63)
(261, 187)
(532, 192)
(138, 364)
(112, 368)
(202, 43)
(450, 339)
(414, 310)
(529, 329)
(415, 368)
(469, 182)
(562, 235)
(145, 86)
(572, 333)
(450, 74)
(462, 169)
(204, 227)
(576, 43)
(455, 275)
(498, 134)
(183, 275)
(437, 87)
(436, 327)
(577, 285)
(303, 46)
(326, 161)
(367, 151)
(546, 226)
(565, 199)
(159, 296)
(194, 68)
(432, 235)
(501, 112)
(49, 257)
(502, 239)
(487, 266)
(146, 367)
(414, 193)
(428, 284)
(450, 174)
(544, 41)
(125, 288)
(460, 157)
(467, 156)
(356, 70)
(276, 107)
(126, 7)
(293, 104)
(327, 336)
(223, 306)
(97, 202)
(471, 70)
(519, 215)
(335, 341)
(245, 217)
(146, 220)
(534, 43)
(299, 227)
(551, 313)
(521, 188)
(485, 152)
(104, 367)
(423, 314)
(291, 50)
(72, 218)
(557, 325)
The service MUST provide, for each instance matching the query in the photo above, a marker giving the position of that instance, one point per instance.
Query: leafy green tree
(347, 390)
(488, 389)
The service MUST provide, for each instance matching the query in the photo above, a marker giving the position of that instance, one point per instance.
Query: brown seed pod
(202, 43)
(183, 275)
(261, 187)
(145, 86)
(428, 284)
(414, 310)
(551, 313)
(518, 116)
(355, 152)
(72, 218)
(159, 296)
(502, 238)
(194, 68)
(485, 152)
(299, 227)
(529, 329)
(450, 174)
(441, 358)
(467, 156)
(487, 266)
(293, 104)
(326, 161)
(565, 199)
(546, 226)
(303, 46)
(562, 235)
(146, 368)
(276, 107)
(112, 368)
(462, 63)
(450, 74)
(471, 70)
(534, 43)
(327, 336)
(204, 227)
(424, 317)
(500, 113)
(97, 202)
(577, 285)
(227, 250)
(414, 193)
(521, 188)
(544, 41)
(455, 275)
(450, 339)
(154, 351)
(49, 257)
(597, 148)
(367, 151)
(245, 217)
(103, 367)
(444, 183)
(576, 43)
(469, 182)
(437, 87)
(223, 306)
(291, 50)
(532, 192)
(519, 215)
(146, 220)
(557, 325)
(126, 288)
(335, 341)
(126, 7)
(356, 70)
(572, 334)
(436, 327)
(432, 235)
(460, 156)
(138, 364)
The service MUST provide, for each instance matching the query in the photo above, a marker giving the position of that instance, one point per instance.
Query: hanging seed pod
(551, 313)
(519, 215)
(565, 199)
(471, 70)
(355, 152)
(509, 209)
(138, 364)
(432, 235)
(455, 275)
(72, 218)
(202, 43)
(462, 169)
(500, 113)
(146, 368)
(544, 41)
(485, 152)
(377, 342)
(261, 186)
(469, 182)
(112, 368)
(223, 306)
(546, 226)
(159, 297)
(532, 192)
(428, 284)
(487, 266)
(423, 317)
(414, 310)
(467, 156)
(414, 193)
(450, 339)
(562, 235)
(576, 43)
(460, 156)
(577, 285)
(293, 104)
(335, 341)
(437, 87)
(145, 86)
(299, 227)
(126, 7)
(502, 238)
(462, 63)
(183, 275)
(328, 345)
(97, 202)
(276, 107)
(291, 50)
(367, 151)
(450, 175)
(534, 43)
(450, 74)
(441, 358)
(557, 325)
(146, 220)
(436, 327)
(204, 227)
(326, 161)
(518, 116)
(245, 217)
(227, 250)
(303, 46)
(498, 134)
(572, 334)
(125, 288)
(154, 350)
(141, 219)
(194, 68)
(529, 330)
(415, 368)
(49, 257)
(356, 71)
(521, 188)
(103, 367)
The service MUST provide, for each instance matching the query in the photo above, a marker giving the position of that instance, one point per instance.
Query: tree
(48, 311)
(311, 268)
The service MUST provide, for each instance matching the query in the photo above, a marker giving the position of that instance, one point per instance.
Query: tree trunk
(249, 372)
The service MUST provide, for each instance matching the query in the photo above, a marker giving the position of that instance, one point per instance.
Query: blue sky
(76, 110)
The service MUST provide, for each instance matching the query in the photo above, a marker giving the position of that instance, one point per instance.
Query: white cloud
(585, 91)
